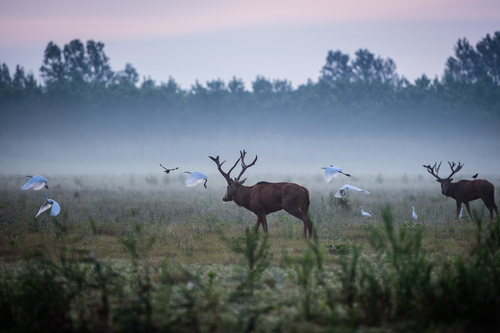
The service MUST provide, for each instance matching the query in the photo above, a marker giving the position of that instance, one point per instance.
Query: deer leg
(257, 223)
(490, 204)
(261, 219)
(468, 208)
(264, 222)
(298, 213)
(459, 205)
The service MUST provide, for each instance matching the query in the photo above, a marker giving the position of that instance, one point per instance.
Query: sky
(196, 40)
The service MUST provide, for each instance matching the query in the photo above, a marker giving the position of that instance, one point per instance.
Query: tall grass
(128, 255)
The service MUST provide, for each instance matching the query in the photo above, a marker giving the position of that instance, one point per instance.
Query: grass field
(146, 253)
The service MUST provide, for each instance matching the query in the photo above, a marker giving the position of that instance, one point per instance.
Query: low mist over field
(283, 146)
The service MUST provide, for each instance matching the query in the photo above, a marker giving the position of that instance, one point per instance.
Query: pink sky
(27, 26)
(24, 22)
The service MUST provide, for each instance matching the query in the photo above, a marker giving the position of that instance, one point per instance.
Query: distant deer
(465, 190)
(264, 198)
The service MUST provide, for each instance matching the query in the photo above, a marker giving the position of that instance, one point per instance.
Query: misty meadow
(134, 249)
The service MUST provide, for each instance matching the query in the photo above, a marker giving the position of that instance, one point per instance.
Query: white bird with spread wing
(195, 178)
(332, 171)
(341, 192)
(37, 183)
(49, 203)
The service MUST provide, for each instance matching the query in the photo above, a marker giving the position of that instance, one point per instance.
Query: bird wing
(44, 207)
(331, 172)
(195, 178)
(351, 187)
(329, 175)
(55, 208)
(339, 194)
(37, 182)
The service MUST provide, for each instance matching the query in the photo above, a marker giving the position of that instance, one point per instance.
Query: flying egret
(168, 170)
(195, 178)
(413, 213)
(332, 171)
(365, 213)
(49, 203)
(37, 183)
(341, 192)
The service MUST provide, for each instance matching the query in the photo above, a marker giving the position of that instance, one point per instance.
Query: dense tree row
(79, 79)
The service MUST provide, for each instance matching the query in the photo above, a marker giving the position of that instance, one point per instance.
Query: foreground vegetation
(145, 253)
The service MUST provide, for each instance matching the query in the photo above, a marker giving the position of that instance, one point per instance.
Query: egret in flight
(341, 192)
(168, 170)
(332, 171)
(37, 183)
(195, 178)
(365, 213)
(413, 213)
(49, 203)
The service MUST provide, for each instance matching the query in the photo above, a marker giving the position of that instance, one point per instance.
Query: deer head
(233, 184)
(445, 182)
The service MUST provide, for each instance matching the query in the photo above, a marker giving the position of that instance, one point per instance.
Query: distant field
(150, 225)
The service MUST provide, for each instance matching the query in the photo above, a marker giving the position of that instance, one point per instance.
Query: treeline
(78, 79)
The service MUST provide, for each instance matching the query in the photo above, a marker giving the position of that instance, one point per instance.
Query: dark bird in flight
(168, 170)
(475, 176)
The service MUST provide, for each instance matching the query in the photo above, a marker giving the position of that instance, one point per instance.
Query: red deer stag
(465, 190)
(264, 198)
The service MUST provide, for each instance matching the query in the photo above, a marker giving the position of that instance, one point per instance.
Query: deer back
(467, 190)
(271, 197)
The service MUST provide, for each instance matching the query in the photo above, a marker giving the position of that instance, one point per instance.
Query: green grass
(146, 253)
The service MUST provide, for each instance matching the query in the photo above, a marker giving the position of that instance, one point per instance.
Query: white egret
(413, 213)
(49, 203)
(168, 170)
(341, 192)
(332, 171)
(195, 178)
(37, 183)
(460, 215)
(365, 213)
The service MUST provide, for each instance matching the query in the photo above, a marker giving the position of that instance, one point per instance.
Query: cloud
(25, 22)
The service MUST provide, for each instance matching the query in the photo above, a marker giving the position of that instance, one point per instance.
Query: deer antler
(453, 169)
(434, 170)
(243, 165)
(219, 165)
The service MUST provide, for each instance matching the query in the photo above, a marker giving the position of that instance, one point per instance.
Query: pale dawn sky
(208, 40)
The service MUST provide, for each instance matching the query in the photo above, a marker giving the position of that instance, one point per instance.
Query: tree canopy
(78, 78)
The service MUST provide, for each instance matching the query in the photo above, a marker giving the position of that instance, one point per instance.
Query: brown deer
(465, 190)
(264, 198)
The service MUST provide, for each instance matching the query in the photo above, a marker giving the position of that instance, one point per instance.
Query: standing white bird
(37, 183)
(413, 213)
(195, 178)
(365, 213)
(49, 203)
(460, 215)
(332, 171)
(341, 192)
